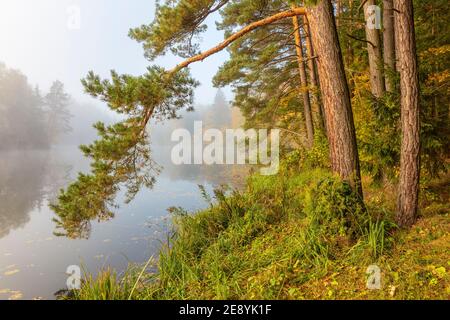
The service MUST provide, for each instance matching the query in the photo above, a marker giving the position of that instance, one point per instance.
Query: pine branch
(237, 35)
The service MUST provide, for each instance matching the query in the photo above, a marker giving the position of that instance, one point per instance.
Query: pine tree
(389, 43)
(335, 93)
(304, 91)
(408, 190)
(374, 50)
(58, 114)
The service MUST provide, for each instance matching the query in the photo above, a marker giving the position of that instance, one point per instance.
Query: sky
(64, 39)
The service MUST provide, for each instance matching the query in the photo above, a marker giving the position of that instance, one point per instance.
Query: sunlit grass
(292, 236)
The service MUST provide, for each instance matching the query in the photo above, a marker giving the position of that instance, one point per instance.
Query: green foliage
(108, 285)
(177, 24)
(308, 220)
(376, 234)
(293, 236)
(262, 69)
(105, 287)
(333, 207)
(377, 121)
(304, 159)
(303, 229)
(378, 132)
(433, 43)
(121, 157)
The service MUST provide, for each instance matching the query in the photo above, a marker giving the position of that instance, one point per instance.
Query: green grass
(294, 236)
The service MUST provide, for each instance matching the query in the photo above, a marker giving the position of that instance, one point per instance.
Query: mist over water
(39, 137)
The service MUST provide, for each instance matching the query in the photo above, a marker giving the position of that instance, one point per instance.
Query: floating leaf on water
(12, 272)
(8, 267)
(16, 295)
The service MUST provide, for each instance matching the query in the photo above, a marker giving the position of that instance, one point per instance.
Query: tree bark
(335, 93)
(375, 55)
(408, 192)
(304, 91)
(389, 42)
(314, 78)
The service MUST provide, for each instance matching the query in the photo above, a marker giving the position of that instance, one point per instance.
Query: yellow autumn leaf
(11, 272)
(16, 295)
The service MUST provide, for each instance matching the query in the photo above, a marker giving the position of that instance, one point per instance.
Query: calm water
(33, 261)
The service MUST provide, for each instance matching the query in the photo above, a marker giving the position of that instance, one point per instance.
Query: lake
(33, 261)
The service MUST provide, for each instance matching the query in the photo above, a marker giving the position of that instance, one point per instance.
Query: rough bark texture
(389, 42)
(313, 77)
(408, 192)
(375, 55)
(335, 93)
(304, 91)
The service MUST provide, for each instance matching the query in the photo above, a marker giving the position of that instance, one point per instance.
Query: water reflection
(93, 197)
(33, 261)
(27, 180)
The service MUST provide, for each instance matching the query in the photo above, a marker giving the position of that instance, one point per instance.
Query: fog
(37, 126)
(44, 117)
(33, 119)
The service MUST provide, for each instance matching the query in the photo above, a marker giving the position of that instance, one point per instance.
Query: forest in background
(31, 119)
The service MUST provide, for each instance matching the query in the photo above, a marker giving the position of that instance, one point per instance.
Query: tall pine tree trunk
(314, 78)
(408, 193)
(389, 42)
(335, 93)
(374, 50)
(303, 82)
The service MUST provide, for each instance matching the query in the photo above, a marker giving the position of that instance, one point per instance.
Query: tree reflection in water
(28, 179)
(119, 161)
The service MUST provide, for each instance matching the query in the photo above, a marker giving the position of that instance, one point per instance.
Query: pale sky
(41, 38)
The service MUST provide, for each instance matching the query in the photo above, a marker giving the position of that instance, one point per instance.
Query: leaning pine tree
(121, 156)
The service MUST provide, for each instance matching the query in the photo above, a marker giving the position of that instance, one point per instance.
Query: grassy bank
(299, 235)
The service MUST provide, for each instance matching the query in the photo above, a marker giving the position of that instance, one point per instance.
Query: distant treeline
(30, 119)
